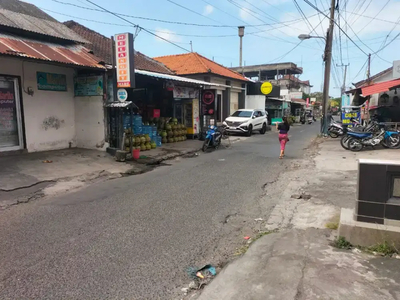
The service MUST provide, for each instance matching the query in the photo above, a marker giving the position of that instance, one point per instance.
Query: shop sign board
(185, 92)
(347, 116)
(88, 86)
(346, 100)
(51, 82)
(208, 102)
(266, 88)
(122, 95)
(124, 60)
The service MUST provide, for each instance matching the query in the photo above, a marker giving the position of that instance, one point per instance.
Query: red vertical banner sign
(124, 58)
(308, 102)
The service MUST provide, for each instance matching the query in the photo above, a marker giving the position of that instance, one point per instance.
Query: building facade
(40, 61)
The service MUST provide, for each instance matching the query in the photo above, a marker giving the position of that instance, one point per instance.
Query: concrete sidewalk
(29, 176)
(297, 261)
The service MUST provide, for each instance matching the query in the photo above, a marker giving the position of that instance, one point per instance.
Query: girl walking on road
(283, 128)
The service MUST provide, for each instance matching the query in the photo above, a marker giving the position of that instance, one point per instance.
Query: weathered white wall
(89, 122)
(56, 120)
(49, 116)
(255, 102)
(234, 102)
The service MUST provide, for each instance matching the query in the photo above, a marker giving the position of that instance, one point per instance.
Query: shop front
(11, 128)
(161, 106)
(277, 108)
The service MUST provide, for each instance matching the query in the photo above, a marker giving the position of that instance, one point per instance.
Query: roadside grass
(383, 249)
(242, 250)
(334, 223)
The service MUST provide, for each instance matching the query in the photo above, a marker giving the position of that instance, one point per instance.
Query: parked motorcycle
(372, 127)
(338, 129)
(359, 140)
(214, 136)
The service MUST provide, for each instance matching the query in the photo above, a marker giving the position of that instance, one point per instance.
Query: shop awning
(177, 78)
(379, 87)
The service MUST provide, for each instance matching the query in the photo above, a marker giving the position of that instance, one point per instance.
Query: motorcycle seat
(360, 135)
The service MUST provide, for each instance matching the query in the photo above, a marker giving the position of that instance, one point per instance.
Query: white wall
(255, 102)
(56, 120)
(44, 106)
(234, 105)
(90, 122)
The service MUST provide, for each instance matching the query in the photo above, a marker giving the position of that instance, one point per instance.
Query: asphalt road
(134, 237)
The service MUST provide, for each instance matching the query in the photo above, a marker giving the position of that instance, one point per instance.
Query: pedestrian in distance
(283, 129)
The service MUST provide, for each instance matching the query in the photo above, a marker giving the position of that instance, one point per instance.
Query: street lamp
(307, 37)
(327, 59)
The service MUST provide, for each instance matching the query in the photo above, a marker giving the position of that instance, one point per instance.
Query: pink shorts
(283, 139)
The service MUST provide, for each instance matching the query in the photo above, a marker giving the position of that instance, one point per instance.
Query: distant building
(229, 88)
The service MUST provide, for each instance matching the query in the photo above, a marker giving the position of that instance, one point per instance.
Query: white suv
(246, 121)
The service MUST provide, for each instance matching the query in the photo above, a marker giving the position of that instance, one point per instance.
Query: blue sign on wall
(51, 82)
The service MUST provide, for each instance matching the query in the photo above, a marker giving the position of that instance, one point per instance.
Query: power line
(193, 11)
(387, 45)
(375, 16)
(367, 45)
(137, 26)
(294, 48)
(152, 19)
(313, 6)
(251, 12)
(358, 73)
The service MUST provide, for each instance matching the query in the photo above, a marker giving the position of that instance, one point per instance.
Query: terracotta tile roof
(194, 63)
(101, 47)
(295, 79)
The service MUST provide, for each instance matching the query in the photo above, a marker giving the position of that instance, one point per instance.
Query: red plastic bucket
(136, 153)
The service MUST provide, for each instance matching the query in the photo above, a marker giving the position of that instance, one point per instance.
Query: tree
(305, 96)
(335, 102)
(317, 95)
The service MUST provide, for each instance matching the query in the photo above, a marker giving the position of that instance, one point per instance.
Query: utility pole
(241, 34)
(328, 63)
(343, 90)
(369, 69)
(191, 46)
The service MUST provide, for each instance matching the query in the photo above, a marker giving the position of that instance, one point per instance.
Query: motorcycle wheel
(354, 145)
(344, 142)
(393, 141)
(206, 144)
(217, 144)
(333, 135)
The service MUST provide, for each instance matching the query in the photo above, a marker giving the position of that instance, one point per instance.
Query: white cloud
(208, 9)
(166, 34)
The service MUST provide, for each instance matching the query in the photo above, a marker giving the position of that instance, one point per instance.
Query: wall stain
(52, 122)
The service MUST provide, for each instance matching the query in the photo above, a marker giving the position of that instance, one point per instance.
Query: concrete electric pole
(328, 63)
(241, 34)
(343, 90)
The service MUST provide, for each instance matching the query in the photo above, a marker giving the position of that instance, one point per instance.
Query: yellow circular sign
(266, 88)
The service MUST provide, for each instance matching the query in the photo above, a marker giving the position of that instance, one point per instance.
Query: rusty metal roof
(36, 25)
(380, 87)
(76, 55)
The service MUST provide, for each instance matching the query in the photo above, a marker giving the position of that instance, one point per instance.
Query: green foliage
(342, 243)
(305, 96)
(385, 249)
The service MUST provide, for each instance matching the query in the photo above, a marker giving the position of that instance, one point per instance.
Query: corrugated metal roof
(379, 87)
(41, 26)
(175, 78)
(72, 55)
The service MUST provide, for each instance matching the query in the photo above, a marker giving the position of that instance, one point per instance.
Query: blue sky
(374, 22)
